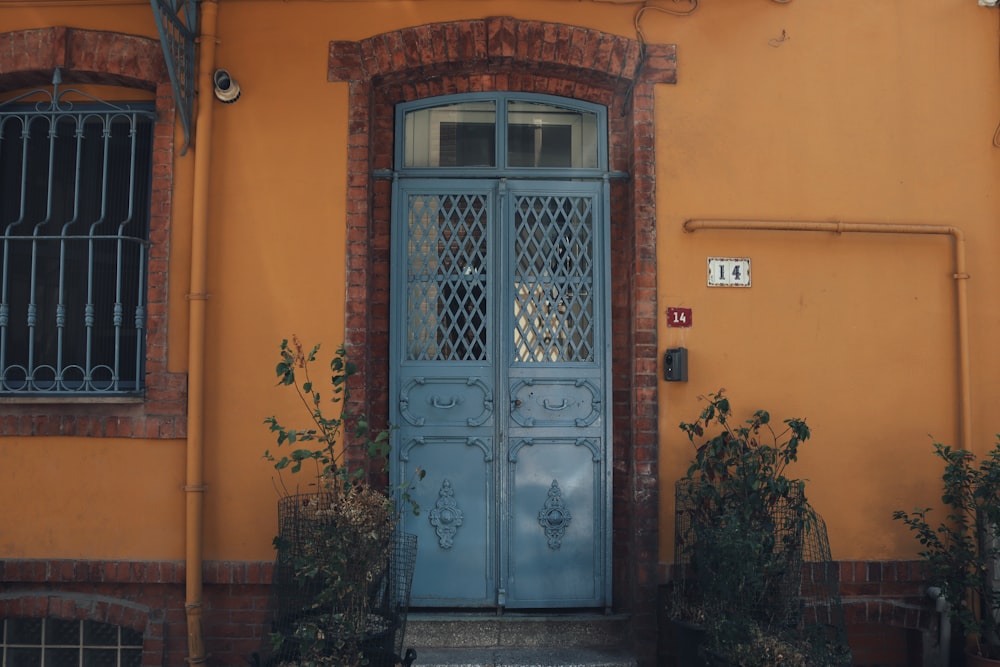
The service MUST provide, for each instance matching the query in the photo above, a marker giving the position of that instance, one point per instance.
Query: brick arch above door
(505, 53)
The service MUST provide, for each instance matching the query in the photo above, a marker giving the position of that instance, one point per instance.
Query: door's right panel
(554, 472)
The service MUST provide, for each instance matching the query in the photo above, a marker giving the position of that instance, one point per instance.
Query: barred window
(74, 233)
(55, 642)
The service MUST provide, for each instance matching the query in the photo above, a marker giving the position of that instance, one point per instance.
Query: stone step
(519, 640)
(516, 630)
(524, 657)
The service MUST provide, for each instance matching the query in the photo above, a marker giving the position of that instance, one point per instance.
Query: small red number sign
(678, 317)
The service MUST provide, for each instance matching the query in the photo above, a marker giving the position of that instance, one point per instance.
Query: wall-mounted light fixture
(988, 3)
(226, 88)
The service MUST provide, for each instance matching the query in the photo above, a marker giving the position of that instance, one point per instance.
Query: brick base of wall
(879, 645)
(885, 607)
(886, 612)
(148, 597)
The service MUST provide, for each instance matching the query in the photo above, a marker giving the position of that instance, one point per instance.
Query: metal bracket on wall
(177, 37)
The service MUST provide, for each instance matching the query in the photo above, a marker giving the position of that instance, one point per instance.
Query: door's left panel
(442, 379)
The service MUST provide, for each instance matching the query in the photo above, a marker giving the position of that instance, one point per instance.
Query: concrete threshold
(516, 631)
(524, 657)
(519, 640)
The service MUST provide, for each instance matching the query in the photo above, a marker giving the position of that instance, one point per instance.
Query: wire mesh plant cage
(769, 571)
(341, 583)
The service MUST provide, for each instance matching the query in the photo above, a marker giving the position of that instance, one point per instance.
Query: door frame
(501, 53)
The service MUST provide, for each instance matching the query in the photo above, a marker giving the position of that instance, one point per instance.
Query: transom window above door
(501, 132)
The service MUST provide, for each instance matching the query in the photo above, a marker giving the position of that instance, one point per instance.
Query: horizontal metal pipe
(822, 226)
(960, 275)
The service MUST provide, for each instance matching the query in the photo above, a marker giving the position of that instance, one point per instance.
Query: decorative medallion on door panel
(446, 516)
(555, 517)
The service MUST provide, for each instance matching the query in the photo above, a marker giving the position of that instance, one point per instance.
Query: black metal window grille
(55, 642)
(75, 186)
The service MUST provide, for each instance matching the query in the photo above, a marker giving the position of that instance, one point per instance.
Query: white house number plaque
(729, 272)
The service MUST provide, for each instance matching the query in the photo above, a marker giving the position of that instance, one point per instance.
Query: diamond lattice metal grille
(553, 279)
(446, 277)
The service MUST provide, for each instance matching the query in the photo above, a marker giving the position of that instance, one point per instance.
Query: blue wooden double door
(500, 389)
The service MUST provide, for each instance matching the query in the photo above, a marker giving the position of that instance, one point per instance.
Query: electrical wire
(778, 41)
(657, 8)
(645, 6)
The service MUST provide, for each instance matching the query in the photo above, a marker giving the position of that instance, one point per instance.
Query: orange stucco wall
(880, 112)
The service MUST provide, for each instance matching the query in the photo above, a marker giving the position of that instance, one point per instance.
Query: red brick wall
(884, 646)
(886, 610)
(884, 603)
(27, 58)
(148, 597)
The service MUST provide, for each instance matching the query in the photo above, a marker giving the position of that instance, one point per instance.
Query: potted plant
(744, 530)
(342, 572)
(960, 553)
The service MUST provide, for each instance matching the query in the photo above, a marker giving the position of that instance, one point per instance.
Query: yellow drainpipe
(197, 298)
(960, 276)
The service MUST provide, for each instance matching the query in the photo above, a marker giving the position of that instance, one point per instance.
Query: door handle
(437, 403)
(553, 407)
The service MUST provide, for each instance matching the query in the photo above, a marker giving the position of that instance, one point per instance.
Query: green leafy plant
(331, 458)
(742, 509)
(336, 535)
(744, 529)
(738, 474)
(960, 552)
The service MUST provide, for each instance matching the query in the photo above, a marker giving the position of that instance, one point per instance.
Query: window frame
(126, 640)
(100, 375)
(95, 57)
